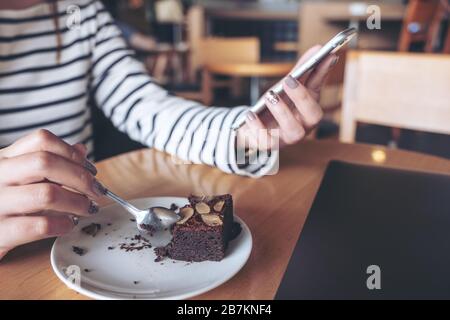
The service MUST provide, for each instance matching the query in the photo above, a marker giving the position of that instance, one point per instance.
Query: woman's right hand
(44, 182)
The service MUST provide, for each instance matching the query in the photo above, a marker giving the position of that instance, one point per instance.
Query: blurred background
(391, 85)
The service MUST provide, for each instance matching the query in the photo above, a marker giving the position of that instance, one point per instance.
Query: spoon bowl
(157, 218)
(148, 220)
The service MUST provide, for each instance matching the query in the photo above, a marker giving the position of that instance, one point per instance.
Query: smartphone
(332, 46)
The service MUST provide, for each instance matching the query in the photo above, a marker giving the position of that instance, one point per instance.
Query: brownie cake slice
(203, 232)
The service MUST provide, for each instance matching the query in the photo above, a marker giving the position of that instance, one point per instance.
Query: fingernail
(93, 208)
(90, 167)
(251, 116)
(99, 189)
(75, 220)
(291, 82)
(272, 97)
(335, 60)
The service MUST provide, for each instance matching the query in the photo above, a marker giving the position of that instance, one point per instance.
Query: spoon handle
(130, 208)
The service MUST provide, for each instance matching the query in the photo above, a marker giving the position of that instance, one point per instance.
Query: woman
(52, 69)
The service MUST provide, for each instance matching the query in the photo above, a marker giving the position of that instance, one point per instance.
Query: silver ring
(272, 97)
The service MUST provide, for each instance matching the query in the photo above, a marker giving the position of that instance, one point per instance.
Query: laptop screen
(373, 233)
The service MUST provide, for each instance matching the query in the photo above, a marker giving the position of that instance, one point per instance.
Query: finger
(15, 231)
(44, 196)
(308, 54)
(44, 140)
(291, 129)
(81, 148)
(307, 106)
(41, 166)
(261, 137)
(317, 78)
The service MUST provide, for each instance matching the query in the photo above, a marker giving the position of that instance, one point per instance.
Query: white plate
(112, 273)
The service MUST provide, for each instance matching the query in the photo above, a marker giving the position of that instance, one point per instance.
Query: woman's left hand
(295, 114)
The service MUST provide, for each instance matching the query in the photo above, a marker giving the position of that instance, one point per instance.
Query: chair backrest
(402, 90)
(417, 22)
(437, 42)
(230, 50)
(204, 49)
(446, 46)
(169, 11)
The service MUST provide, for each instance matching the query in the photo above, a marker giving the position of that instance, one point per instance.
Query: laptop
(373, 233)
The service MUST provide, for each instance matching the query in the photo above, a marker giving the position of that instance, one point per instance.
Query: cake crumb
(79, 251)
(92, 229)
(138, 243)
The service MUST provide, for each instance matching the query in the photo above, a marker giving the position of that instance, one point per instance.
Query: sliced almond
(219, 206)
(186, 214)
(202, 208)
(212, 220)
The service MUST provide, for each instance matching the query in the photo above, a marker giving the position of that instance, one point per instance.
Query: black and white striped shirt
(96, 67)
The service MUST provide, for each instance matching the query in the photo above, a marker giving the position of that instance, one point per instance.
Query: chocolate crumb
(135, 282)
(173, 207)
(92, 229)
(148, 227)
(79, 251)
(133, 220)
(161, 253)
(137, 243)
(87, 270)
(110, 248)
(109, 224)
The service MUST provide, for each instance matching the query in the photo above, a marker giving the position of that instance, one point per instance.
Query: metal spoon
(148, 220)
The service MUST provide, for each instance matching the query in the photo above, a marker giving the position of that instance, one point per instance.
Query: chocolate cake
(203, 232)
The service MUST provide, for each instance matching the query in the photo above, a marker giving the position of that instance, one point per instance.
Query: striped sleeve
(149, 114)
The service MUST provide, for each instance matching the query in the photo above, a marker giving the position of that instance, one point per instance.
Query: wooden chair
(238, 58)
(235, 58)
(194, 29)
(417, 24)
(195, 33)
(217, 53)
(201, 49)
(210, 51)
(436, 42)
(404, 90)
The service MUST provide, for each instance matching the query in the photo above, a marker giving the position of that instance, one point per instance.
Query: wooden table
(251, 11)
(274, 207)
(254, 71)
